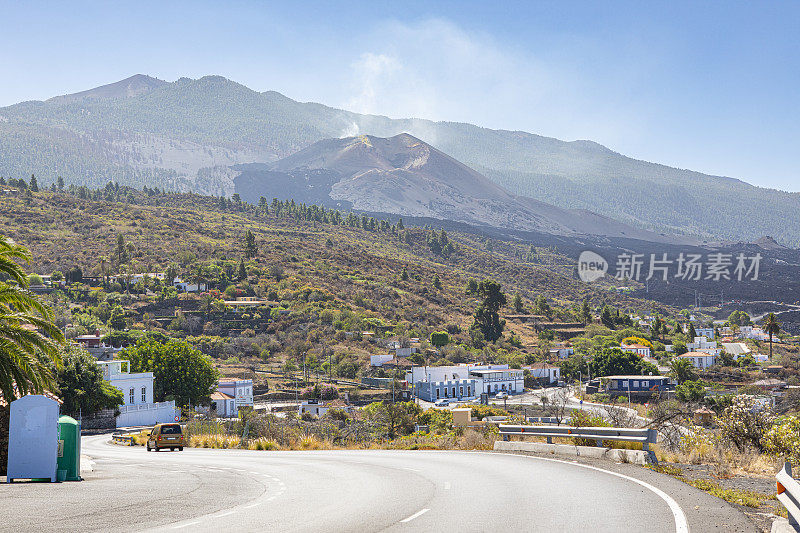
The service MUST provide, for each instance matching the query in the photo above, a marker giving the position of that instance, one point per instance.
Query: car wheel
(148, 448)
(180, 449)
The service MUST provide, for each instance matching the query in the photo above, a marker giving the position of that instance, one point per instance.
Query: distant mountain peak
(768, 243)
(406, 176)
(135, 85)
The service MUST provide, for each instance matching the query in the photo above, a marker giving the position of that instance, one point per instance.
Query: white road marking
(251, 506)
(413, 516)
(411, 469)
(681, 525)
(446, 485)
(220, 515)
(186, 525)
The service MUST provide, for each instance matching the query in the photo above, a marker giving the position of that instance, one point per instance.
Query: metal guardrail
(125, 440)
(599, 434)
(789, 494)
(549, 420)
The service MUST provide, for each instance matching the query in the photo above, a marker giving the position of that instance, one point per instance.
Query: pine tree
(586, 312)
(404, 274)
(606, 318)
(242, 270)
(34, 187)
(472, 286)
(517, 303)
(487, 316)
(250, 248)
(121, 253)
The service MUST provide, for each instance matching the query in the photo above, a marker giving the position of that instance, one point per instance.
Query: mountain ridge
(403, 175)
(187, 135)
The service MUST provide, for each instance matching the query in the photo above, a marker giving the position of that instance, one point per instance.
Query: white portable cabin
(33, 438)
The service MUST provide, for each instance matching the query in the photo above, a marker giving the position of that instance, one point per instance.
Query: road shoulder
(704, 513)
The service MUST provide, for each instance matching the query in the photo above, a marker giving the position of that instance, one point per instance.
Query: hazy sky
(710, 86)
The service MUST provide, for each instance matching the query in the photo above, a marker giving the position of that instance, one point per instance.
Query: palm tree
(24, 352)
(682, 370)
(772, 327)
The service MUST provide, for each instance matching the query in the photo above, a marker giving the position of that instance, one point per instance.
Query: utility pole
(330, 367)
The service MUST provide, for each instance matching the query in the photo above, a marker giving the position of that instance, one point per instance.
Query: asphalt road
(370, 490)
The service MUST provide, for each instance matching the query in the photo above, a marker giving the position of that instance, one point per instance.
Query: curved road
(370, 490)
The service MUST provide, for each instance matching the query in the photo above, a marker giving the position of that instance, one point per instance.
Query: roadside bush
(744, 423)
(783, 439)
(479, 412)
(581, 418)
(690, 391)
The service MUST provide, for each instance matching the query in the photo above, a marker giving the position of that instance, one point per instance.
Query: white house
(93, 344)
(639, 349)
(318, 408)
(562, 351)
(708, 333)
(223, 404)
(701, 344)
(551, 373)
(186, 286)
(755, 333)
(404, 352)
(379, 360)
(231, 395)
(700, 360)
(474, 379)
(139, 408)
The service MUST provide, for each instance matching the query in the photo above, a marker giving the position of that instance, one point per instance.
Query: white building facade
(638, 349)
(701, 344)
(708, 333)
(700, 360)
(138, 408)
(464, 381)
(238, 393)
(551, 373)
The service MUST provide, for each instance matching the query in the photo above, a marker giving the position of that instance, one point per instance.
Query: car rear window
(172, 429)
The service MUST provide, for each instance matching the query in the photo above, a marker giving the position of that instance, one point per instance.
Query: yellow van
(166, 436)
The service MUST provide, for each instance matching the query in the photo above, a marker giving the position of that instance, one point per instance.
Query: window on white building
(131, 396)
(144, 394)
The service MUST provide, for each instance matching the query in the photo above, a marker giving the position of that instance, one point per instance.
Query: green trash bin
(69, 449)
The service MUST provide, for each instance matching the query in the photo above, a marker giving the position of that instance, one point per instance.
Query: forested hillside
(80, 227)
